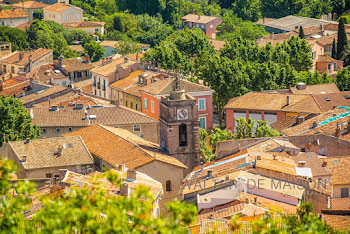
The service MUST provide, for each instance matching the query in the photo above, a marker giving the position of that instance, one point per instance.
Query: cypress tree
(342, 38)
(301, 32)
(334, 49)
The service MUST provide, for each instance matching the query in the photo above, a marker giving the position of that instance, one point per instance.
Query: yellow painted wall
(131, 99)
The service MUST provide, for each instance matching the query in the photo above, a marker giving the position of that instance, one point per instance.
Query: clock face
(182, 114)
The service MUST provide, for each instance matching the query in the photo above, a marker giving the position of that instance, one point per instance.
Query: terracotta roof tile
(222, 211)
(306, 127)
(14, 13)
(264, 101)
(164, 87)
(30, 5)
(119, 146)
(313, 162)
(43, 117)
(325, 59)
(203, 19)
(218, 45)
(84, 24)
(110, 68)
(75, 64)
(42, 93)
(40, 152)
(290, 121)
(341, 222)
(113, 43)
(60, 7)
(45, 73)
(14, 58)
(316, 89)
(23, 26)
(307, 105)
(77, 48)
(339, 166)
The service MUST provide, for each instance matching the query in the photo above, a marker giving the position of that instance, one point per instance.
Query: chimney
(300, 119)
(210, 173)
(126, 59)
(131, 174)
(137, 57)
(324, 164)
(152, 80)
(337, 130)
(321, 27)
(21, 55)
(258, 157)
(58, 152)
(103, 61)
(124, 190)
(24, 158)
(30, 62)
(87, 59)
(120, 167)
(61, 61)
(27, 141)
(255, 200)
(301, 163)
(140, 79)
(274, 157)
(288, 100)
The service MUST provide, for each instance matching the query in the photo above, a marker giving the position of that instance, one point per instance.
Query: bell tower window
(182, 135)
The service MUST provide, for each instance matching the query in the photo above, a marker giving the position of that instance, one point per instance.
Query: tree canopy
(15, 122)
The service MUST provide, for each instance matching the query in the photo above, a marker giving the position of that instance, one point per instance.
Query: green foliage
(38, 14)
(127, 47)
(301, 33)
(343, 79)
(312, 78)
(303, 222)
(17, 37)
(15, 122)
(209, 140)
(245, 129)
(154, 30)
(87, 210)
(342, 38)
(247, 9)
(42, 34)
(308, 8)
(334, 49)
(94, 50)
(233, 27)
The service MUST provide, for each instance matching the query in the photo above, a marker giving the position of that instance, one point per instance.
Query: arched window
(183, 135)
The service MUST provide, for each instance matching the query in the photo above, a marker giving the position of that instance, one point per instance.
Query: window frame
(145, 103)
(152, 106)
(199, 106)
(205, 122)
(344, 192)
(137, 126)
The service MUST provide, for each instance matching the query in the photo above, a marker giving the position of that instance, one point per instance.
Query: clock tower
(179, 126)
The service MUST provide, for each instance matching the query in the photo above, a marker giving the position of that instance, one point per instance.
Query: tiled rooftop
(339, 166)
(14, 58)
(202, 19)
(13, 13)
(40, 153)
(30, 5)
(119, 146)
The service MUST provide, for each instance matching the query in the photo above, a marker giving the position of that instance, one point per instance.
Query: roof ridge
(313, 96)
(136, 145)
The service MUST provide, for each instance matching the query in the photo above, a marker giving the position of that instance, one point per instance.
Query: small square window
(58, 130)
(70, 129)
(344, 192)
(168, 185)
(43, 130)
(137, 128)
(48, 175)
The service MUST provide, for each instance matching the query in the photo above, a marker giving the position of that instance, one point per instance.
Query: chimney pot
(124, 190)
(288, 100)
(131, 174)
(210, 173)
(324, 164)
(24, 158)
